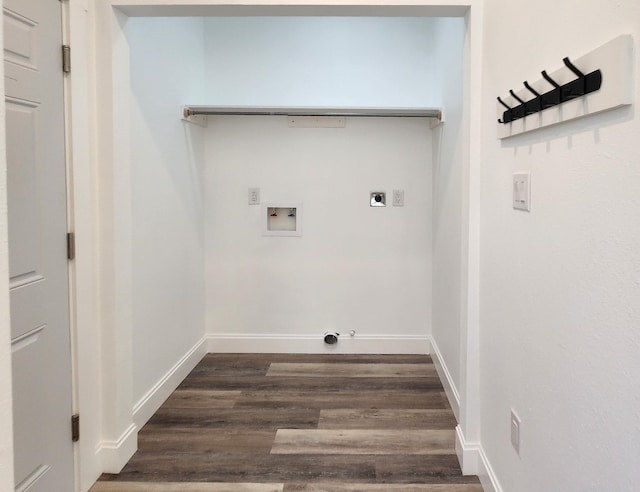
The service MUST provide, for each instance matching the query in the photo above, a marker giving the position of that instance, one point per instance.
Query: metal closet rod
(359, 112)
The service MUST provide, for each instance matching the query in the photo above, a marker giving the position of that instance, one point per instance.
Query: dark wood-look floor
(281, 423)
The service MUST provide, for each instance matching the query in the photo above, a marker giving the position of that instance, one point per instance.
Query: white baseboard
(445, 377)
(144, 409)
(113, 455)
(290, 344)
(474, 461)
(486, 474)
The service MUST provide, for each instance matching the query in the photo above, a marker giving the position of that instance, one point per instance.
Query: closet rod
(295, 111)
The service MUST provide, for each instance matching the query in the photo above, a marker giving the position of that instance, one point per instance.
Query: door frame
(6, 408)
(116, 180)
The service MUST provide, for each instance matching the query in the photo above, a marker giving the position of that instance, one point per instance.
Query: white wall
(449, 143)
(167, 70)
(355, 267)
(332, 278)
(6, 405)
(560, 286)
(321, 61)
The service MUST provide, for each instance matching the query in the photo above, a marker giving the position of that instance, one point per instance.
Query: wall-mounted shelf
(198, 114)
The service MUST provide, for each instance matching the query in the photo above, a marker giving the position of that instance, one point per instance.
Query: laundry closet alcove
(201, 266)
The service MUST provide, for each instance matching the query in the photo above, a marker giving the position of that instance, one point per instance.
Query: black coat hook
(583, 84)
(572, 67)
(520, 110)
(533, 105)
(575, 88)
(549, 79)
(531, 89)
(551, 98)
(506, 116)
(526, 107)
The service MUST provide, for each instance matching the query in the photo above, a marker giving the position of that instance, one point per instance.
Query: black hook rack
(584, 84)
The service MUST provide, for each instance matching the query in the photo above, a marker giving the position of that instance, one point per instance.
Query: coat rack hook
(516, 97)
(572, 67)
(549, 79)
(531, 89)
(503, 103)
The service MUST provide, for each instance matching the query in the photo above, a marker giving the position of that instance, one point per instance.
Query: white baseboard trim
(468, 453)
(474, 461)
(144, 409)
(445, 377)
(486, 474)
(113, 455)
(296, 344)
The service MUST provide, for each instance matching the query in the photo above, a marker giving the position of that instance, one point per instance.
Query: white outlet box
(515, 431)
(522, 191)
(282, 219)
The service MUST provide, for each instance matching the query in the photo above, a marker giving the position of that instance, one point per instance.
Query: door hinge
(66, 58)
(71, 245)
(75, 427)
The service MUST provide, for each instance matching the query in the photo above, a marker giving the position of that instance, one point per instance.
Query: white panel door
(37, 246)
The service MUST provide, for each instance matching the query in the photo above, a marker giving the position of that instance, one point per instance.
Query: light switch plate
(515, 431)
(254, 196)
(522, 191)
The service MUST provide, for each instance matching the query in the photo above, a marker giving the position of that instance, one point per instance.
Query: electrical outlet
(515, 431)
(254, 196)
(398, 198)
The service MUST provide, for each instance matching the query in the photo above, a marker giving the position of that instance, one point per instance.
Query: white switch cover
(515, 431)
(254, 196)
(398, 198)
(522, 191)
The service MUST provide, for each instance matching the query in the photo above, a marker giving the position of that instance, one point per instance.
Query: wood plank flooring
(303, 423)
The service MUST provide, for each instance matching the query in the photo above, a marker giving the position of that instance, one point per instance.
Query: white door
(37, 246)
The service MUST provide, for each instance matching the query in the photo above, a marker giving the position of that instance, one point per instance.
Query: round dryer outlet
(331, 338)
(378, 199)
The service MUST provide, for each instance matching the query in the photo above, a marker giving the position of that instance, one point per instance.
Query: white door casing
(39, 292)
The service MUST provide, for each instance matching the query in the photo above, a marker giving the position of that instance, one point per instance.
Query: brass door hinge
(71, 245)
(75, 427)
(66, 58)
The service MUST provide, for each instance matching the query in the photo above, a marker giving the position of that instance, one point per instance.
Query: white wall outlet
(515, 431)
(522, 191)
(398, 198)
(254, 196)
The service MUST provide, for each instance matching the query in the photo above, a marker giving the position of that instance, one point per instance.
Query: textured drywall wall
(355, 267)
(448, 164)
(560, 285)
(167, 69)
